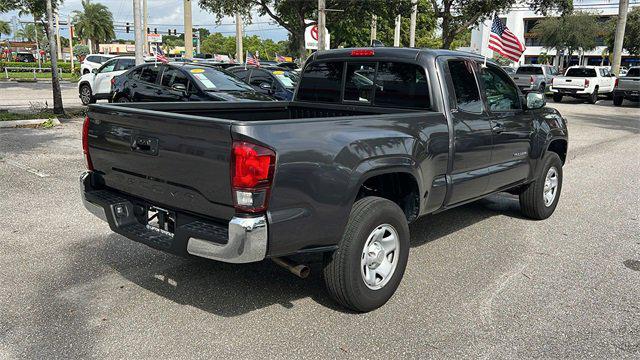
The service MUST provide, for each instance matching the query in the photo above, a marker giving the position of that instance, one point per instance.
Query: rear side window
(581, 72)
(124, 64)
(465, 86)
(241, 74)
(529, 70)
(401, 85)
(173, 76)
(150, 74)
(321, 82)
(633, 72)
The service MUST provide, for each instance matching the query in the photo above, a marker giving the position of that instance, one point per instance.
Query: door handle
(497, 127)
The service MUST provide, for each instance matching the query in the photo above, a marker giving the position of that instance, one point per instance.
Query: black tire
(618, 100)
(557, 97)
(85, 95)
(122, 99)
(532, 203)
(341, 270)
(542, 88)
(593, 98)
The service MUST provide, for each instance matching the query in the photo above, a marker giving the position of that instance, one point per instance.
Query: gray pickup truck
(534, 77)
(342, 169)
(627, 87)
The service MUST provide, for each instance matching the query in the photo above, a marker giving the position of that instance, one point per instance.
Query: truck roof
(392, 52)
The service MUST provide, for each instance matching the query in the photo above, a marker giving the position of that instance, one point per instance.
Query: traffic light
(169, 31)
(155, 30)
(148, 31)
(127, 28)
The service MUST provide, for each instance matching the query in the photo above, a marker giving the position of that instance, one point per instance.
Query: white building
(521, 20)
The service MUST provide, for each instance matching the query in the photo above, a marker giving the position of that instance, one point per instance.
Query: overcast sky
(165, 14)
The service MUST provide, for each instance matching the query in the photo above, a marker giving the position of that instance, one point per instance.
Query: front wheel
(540, 198)
(85, 95)
(366, 269)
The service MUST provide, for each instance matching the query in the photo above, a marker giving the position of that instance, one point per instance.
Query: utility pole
(70, 41)
(58, 36)
(145, 25)
(239, 53)
(35, 31)
(412, 28)
(55, 80)
(137, 24)
(188, 30)
(396, 32)
(321, 24)
(623, 8)
(374, 29)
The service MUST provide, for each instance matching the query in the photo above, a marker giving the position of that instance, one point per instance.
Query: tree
(631, 41)
(570, 34)
(291, 14)
(81, 51)
(55, 80)
(457, 16)
(5, 28)
(94, 22)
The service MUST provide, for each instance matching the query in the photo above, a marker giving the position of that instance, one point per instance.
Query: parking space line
(25, 168)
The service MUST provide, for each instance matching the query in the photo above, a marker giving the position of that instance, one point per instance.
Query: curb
(21, 123)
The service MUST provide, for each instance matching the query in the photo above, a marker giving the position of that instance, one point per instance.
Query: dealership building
(521, 20)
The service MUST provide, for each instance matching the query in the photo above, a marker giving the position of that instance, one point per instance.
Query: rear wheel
(85, 95)
(594, 96)
(368, 266)
(122, 99)
(617, 100)
(557, 97)
(539, 200)
(542, 88)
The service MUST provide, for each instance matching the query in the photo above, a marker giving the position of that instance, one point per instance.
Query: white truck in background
(587, 82)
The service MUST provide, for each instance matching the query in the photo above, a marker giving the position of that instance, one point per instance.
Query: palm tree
(5, 29)
(94, 22)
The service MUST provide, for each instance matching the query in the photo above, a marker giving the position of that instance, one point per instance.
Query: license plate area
(161, 221)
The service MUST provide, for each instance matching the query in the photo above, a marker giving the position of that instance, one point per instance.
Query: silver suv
(535, 77)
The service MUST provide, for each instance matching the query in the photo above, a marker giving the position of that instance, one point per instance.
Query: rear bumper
(241, 240)
(569, 91)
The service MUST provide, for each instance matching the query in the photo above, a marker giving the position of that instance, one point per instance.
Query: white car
(584, 82)
(93, 61)
(97, 84)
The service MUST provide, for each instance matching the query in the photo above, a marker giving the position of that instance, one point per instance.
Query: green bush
(65, 67)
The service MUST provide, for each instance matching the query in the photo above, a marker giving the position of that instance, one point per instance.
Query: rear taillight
(85, 144)
(252, 168)
(113, 81)
(615, 83)
(531, 79)
(586, 83)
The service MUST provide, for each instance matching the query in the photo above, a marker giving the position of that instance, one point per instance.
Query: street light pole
(321, 24)
(239, 53)
(188, 30)
(137, 25)
(70, 42)
(412, 29)
(396, 32)
(623, 8)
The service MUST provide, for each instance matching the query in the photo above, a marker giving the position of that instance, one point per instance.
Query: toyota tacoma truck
(534, 77)
(627, 87)
(585, 82)
(342, 169)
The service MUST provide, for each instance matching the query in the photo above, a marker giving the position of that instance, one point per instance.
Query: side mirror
(95, 71)
(265, 86)
(179, 87)
(535, 100)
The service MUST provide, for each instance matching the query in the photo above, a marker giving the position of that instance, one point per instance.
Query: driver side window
(501, 94)
(259, 76)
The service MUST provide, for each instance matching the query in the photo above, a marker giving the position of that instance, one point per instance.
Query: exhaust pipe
(299, 270)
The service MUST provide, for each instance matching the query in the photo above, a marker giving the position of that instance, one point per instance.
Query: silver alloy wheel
(380, 256)
(550, 186)
(85, 94)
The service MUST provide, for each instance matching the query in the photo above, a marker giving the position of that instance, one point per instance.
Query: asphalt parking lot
(482, 281)
(24, 95)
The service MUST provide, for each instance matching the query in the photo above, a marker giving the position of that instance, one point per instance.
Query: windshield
(287, 78)
(211, 79)
(529, 70)
(581, 72)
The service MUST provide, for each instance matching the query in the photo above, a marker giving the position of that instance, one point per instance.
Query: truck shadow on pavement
(231, 290)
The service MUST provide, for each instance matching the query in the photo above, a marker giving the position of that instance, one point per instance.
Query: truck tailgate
(629, 83)
(563, 82)
(177, 160)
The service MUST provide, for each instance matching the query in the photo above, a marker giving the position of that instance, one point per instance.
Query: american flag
(160, 55)
(504, 42)
(280, 58)
(252, 60)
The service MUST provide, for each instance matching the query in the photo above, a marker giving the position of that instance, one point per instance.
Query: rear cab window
(377, 83)
(633, 72)
(581, 72)
(529, 70)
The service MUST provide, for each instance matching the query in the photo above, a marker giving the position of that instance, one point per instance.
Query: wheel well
(559, 147)
(84, 83)
(401, 188)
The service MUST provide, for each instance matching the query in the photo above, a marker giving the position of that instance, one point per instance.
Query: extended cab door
(511, 127)
(471, 131)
